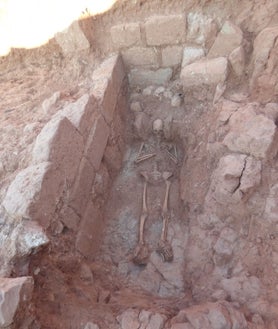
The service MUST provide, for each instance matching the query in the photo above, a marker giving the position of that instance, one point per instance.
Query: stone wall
(57, 189)
(153, 49)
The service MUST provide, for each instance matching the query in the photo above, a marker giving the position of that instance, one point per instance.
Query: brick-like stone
(80, 113)
(59, 142)
(202, 30)
(97, 141)
(141, 77)
(191, 55)
(165, 30)
(112, 68)
(139, 56)
(80, 194)
(171, 56)
(14, 292)
(208, 72)
(72, 39)
(88, 237)
(126, 35)
(229, 38)
(107, 83)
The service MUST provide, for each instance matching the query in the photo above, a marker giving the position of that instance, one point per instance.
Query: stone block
(80, 194)
(205, 72)
(165, 30)
(229, 38)
(107, 83)
(171, 56)
(202, 30)
(237, 61)
(126, 35)
(191, 55)
(139, 56)
(112, 68)
(14, 292)
(59, 142)
(251, 133)
(80, 113)
(97, 141)
(88, 237)
(34, 193)
(264, 80)
(72, 39)
(142, 77)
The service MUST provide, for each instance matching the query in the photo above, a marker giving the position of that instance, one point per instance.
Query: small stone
(159, 91)
(104, 296)
(219, 295)
(157, 321)
(86, 273)
(129, 319)
(50, 102)
(58, 228)
(30, 127)
(91, 325)
(37, 271)
(148, 91)
(135, 107)
(168, 94)
(237, 60)
(176, 101)
(257, 319)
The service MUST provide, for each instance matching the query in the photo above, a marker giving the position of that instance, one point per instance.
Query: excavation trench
(148, 200)
(91, 262)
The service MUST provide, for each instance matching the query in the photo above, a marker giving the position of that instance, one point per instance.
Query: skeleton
(171, 149)
(164, 249)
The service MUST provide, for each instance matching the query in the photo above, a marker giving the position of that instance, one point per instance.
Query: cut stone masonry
(66, 156)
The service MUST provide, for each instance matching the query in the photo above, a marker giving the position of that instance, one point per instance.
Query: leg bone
(141, 253)
(164, 248)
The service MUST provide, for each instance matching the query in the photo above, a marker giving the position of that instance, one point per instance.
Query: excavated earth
(79, 114)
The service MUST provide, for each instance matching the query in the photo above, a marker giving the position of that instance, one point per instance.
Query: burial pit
(139, 188)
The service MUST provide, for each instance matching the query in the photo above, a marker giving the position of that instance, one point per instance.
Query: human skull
(157, 126)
